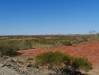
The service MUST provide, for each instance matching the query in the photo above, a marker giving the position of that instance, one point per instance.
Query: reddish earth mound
(32, 52)
(87, 50)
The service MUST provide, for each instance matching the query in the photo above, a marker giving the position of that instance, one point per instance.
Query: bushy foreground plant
(72, 64)
(82, 63)
(52, 58)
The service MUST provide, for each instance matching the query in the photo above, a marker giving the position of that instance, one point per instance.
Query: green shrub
(8, 51)
(66, 42)
(57, 58)
(52, 58)
(82, 63)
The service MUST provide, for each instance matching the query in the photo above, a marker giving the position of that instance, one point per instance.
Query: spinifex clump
(65, 63)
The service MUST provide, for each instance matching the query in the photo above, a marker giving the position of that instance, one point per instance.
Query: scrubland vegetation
(56, 61)
(9, 45)
(72, 64)
(26, 42)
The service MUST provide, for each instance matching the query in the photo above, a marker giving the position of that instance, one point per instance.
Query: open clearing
(88, 50)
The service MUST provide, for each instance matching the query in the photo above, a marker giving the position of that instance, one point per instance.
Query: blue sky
(48, 16)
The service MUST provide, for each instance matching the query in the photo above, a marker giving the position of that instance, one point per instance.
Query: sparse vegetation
(82, 63)
(56, 61)
(8, 51)
(52, 58)
(27, 42)
(57, 58)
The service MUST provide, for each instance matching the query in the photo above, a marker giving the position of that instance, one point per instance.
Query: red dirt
(87, 50)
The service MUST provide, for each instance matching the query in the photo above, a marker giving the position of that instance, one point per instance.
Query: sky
(32, 17)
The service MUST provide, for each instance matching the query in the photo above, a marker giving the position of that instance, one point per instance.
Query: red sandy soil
(88, 50)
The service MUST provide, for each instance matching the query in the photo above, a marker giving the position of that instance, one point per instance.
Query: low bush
(82, 63)
(52, 58)
(56, 58)
(8, 51)
(67, 42)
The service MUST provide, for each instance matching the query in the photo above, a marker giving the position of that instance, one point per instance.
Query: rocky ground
(94, 71)
(24, 66)
(14, 66)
